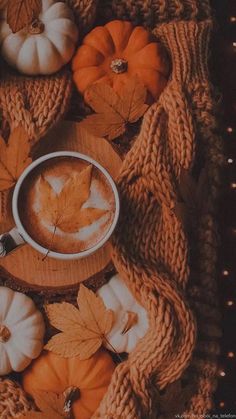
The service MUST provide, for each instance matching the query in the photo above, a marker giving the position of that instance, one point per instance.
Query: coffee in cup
(66, 205)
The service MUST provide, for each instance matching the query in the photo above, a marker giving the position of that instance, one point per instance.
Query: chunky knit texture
(170, 273)
(172, 276)
(13, 401)
(37, 103)
(85, 12)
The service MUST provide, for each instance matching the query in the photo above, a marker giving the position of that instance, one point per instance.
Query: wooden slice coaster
(26, 264)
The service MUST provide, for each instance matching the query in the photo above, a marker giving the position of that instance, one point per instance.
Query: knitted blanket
(169, 267)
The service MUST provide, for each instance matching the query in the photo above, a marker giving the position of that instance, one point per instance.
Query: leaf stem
(112, 347)
(50, 245)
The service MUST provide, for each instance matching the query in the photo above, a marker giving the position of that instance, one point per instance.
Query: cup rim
(30, 240)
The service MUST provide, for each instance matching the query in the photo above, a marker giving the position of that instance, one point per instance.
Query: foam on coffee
(56, 171)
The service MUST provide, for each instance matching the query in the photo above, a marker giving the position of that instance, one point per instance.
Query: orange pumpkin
(55, 374)
(116, 51)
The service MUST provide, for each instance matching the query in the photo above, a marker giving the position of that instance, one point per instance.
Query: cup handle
(10, 241)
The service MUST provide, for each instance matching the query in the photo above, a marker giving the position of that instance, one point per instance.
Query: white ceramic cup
(19, 236)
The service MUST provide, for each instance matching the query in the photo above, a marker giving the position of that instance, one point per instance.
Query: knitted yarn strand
(151, 250)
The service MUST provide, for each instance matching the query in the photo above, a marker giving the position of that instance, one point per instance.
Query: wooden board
(26, 263)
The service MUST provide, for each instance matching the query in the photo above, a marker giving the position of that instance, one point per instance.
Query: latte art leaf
(65, 210)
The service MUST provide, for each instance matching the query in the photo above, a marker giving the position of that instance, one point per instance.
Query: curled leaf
(132, 319)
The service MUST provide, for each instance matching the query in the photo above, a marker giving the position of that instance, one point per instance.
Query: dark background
(223, 74)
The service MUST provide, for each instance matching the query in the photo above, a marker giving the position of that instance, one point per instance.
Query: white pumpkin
(130, 318)
(46, 46)
(21, 331)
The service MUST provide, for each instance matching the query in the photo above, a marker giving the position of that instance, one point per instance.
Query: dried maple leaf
(64, 210)
(14, 158)
(21, 13)
(83, 330)
(113, 112)
(51, 405)
(193, 199)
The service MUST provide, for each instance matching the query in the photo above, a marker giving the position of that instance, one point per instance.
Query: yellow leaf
(82, 219)
(50, 402)
(21, 13)
(94, 312)
(14, 158)
(63, 316)
(76, 190)
(97, 125)
(51, 405)
(133, 103)
(103, 99)
(113, 112)
(64, 210)
(132, 319)
(48, 200)
(83, 329)
(69, 345)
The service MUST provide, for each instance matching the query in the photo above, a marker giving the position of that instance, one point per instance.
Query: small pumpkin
(21, 331)
(46, 45)
(54, 374)
(130, 318)
(117, 51)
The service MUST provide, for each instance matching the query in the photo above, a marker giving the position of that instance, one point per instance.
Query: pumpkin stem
(36, 27)
(119, 65)
(5, 334)
(71, 394)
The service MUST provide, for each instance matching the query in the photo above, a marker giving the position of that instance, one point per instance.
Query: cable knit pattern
(169, 273)
(151, 250)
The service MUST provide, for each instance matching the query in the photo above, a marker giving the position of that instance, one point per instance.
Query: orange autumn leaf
(20, 13)
(113, 112)
(83, 330)
(64, 210)
(14, 158)
(50, 405)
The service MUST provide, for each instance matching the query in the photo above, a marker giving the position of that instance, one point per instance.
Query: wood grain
(26, 263)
